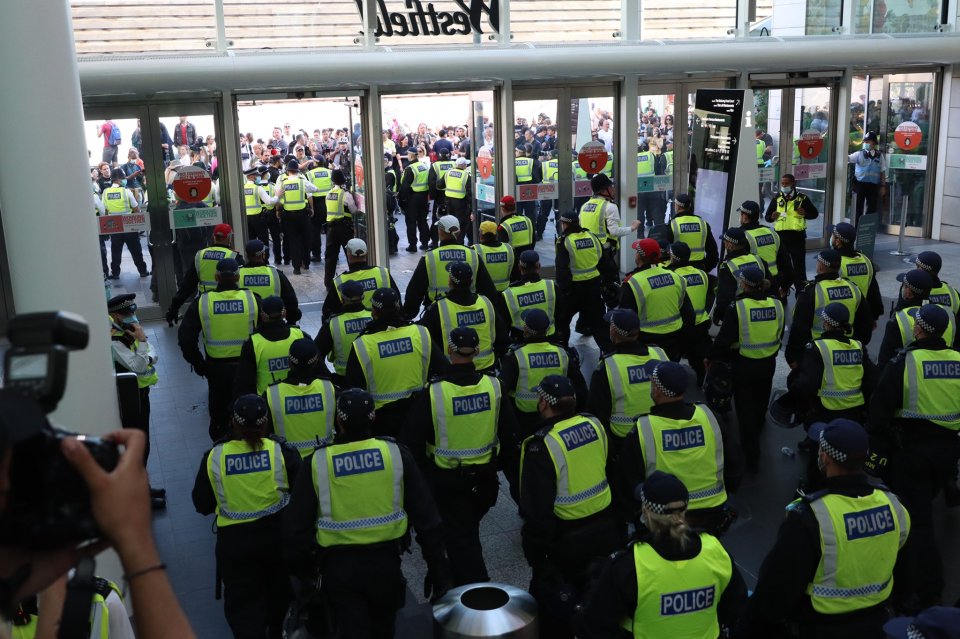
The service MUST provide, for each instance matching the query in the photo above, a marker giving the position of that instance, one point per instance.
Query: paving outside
(186, 539)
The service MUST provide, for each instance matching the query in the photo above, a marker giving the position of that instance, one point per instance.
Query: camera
(48, 503)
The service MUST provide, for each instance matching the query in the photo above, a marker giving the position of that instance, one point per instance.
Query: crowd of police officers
(405, 409)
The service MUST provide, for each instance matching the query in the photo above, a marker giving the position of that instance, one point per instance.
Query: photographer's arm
(121, 505)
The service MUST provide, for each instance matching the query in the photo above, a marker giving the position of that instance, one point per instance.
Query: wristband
(140, 573)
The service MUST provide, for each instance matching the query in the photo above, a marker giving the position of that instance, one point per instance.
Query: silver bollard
(903, 228)
(486, 611)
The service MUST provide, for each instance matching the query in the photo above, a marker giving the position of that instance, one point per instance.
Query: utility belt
(346, 220)
(469, 471)
(297, 212)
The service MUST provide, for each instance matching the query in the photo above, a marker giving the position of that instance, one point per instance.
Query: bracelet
(140, 573)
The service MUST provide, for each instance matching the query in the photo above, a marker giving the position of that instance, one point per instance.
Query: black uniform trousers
(673, 344)
(696, 348)
(256, 589)
(546, 207)
(316, 231)
(391, 210)
(584, 298)
(464, 495)
(257, 227)
(867, 199)
(653, 208)
(280, 253)
(132, 242)
(141, 421)
(461, 209)
(415, 214)
(795, 244)
(296, 232)
(103, 255)
(339, 232)
(364, 589)
(220, 374)
(752, 383)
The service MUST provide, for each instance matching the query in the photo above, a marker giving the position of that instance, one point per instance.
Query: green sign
(193, 218)
(656, 183)
(867, 233)
(909, 162)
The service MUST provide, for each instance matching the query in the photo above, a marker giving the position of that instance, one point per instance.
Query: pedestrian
(336, 336)
(265, 280)
(528, 291)
(497, 257)
(701, 297)
(737, 257)
(869, 177)
(414, 198)
(264, 355)
(765, 243)
(340, 209)
(358, 270)
(580, 268)
(295, 211)
(857, 267)
(686, 227)
(119, 200)
(201, 276)
(789, 213)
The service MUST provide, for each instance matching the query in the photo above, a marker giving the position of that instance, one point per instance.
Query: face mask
(123, 182)
(786, 190)
(867, 146)
(128, 321)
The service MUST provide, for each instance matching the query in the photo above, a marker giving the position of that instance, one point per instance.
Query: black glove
(438, 580)
(172, 316)
(200, 368)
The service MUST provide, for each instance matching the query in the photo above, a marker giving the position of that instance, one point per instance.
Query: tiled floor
(187, 542)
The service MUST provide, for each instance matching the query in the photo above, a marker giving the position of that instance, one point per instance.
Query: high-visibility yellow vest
(479, 316)
(692, 231)
(519, 230)
(396, 181)
(541, 294)
(669, 162)
(628, 376)
(760, 326)
(441, 167)
(370, 278)
(535, 361)
(585, 250)
(344, 329)
(251, 199)
(645, 164)
(840, 387)
(438, 263)
(262, 280)
(227, 318)
(946, 296)
(765, 244)
(465, 420)
(691, 449)
(455, 184)
(608, 167)
(578, 172)
(303, 414)
(421, 178)
(578, 449)
(761, 148)
(524, 169)
(322, 179)
(336, 209)
(551, 171)
(210, 199)
(147, 378)
(395, 362)
(293, 192)
(697, 286)
(273, 358)
(906, 319)
(359, 487)
(248, 483)
(659, 294)
(838, 290)
(205, 262)
(499, 263)
(737, 263)
(791, 214)
(115, 200)
(859, 541)
(592, 218)
(680, 598)
(857, 269)
(930, 387)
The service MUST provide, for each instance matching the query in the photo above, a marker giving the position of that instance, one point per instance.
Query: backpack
(114, 134)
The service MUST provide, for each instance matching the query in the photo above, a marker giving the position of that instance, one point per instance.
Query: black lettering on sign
(421, 18)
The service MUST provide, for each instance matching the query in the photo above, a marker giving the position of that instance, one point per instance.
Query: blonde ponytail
(672, 526)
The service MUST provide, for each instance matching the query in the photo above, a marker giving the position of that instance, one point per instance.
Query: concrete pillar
(626, 170)
(48, 221)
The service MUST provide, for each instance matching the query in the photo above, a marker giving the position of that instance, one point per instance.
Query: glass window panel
(655, 129)
(811, 144)
(687, 19)
(822, 16)
(111, 27)
(529, 116)
(865, 115)
(291, 24)
(895, 16)
(767, 104)
(907, 137)
(564, 20)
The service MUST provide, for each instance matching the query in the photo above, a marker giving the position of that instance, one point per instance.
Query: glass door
(478, 147)
(149, 233)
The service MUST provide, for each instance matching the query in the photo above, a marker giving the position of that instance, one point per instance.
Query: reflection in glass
(895, 16)
(907, 136)
(811, 150)
(537, 170)
(654, 157)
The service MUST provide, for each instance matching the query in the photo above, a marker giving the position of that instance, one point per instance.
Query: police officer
(463, 307)
(827, 287)
(438, 170)
(245, 480)
(265, 280)
(789, 212)
(672, 581)
(601, 216)
(652, 205)
(682, 438)
(565, 504)
(457, 449)
(392, 359)
(119, 200)
(391, 184)
(302, 406)
(341, 208)
(223, 318)
(455, 186)
(737, 257)
(620, 386)
(132, 352)
(942, 293)
(269, 176)
(414, 197)
(362, 478)
(835, 373)
(525, 365)
(321, 176)
(201, 276)
(515, 230)
(689, 228)
(916, 405)
(898, 333)
(295, 211)
(430, 279)
(336, 336)
(263, 357)
(869, 176)
(358, 270)
(530, 290)
(701, 297)
(750, 337)
(857, 267)
(528, 171)
(580, 267)
(830, 571)
(497, 257)
(765, 243)
(551, 175)
(659, 299)
(255, 198)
